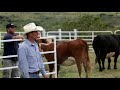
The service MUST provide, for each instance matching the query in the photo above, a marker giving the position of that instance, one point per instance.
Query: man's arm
(42, 68)
(17, 37)
(23, 64)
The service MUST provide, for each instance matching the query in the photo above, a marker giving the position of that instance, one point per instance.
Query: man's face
(11, 30)
(35, 35)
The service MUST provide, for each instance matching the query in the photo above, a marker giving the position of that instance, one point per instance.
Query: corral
(71, 71)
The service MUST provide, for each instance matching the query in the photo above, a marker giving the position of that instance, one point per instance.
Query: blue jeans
(34, 75)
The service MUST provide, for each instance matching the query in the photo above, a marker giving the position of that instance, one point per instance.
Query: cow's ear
(50, 40)
(39, 45)
(37, 41)
(43, 40)
(43, 47)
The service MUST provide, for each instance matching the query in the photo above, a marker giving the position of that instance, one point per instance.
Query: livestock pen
(71, 71)
(44, 62)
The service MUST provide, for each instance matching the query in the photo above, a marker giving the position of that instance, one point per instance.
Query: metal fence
(52, 62)
(59, 36)
(71, 35)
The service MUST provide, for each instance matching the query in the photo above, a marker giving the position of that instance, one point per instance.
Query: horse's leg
(51, 67)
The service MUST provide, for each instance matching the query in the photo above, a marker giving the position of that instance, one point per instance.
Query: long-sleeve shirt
(30, 59)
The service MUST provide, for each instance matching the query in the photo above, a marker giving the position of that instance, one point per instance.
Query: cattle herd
(105, 46)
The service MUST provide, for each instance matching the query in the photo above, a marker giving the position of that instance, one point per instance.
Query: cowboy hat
(31, 27)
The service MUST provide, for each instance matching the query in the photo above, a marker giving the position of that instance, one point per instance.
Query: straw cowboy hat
(31, 27)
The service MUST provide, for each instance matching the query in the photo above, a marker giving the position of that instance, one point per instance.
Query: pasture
(72, 72)
(63, 20)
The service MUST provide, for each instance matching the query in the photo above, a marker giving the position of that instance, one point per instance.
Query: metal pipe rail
(52, 62)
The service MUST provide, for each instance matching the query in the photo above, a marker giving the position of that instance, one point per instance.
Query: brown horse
(77, 48)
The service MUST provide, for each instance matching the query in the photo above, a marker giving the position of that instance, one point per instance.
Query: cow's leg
(86, 69)
(103, 64)
(98, 59)
(109, 61)
(58, 68)
(99, 62)
(87, 66)
(115, 61)
(103, 56)
(78, 66)
(51, 67)
(79, 69)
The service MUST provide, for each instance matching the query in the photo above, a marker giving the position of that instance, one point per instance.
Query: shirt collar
(29, 43)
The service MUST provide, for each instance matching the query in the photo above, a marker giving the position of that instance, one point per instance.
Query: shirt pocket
(31, 58)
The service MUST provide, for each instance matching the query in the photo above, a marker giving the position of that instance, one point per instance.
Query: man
(29, 57)
(10, 48)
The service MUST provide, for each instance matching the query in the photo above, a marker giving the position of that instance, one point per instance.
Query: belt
(34, 72)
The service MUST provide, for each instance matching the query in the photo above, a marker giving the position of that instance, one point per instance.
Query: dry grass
(72, 72)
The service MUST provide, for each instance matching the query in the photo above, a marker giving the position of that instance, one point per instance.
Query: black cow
(106, 46)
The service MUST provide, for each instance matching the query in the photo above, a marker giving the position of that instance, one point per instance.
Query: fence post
(44, 33)
(55, 57)
(59, 30)
(70, 36)
(75, 33)
(0, 42)
(92, 36)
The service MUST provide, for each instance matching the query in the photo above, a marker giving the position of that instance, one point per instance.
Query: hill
(63, 20)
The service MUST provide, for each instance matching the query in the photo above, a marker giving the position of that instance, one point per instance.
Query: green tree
(86, 22)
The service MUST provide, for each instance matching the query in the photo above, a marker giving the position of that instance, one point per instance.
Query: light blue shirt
(30, 59)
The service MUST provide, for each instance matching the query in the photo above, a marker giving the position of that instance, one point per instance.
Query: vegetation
(84, 21)
(72, 72)
(64, 20)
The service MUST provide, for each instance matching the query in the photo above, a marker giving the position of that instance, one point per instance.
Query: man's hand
(45, 76)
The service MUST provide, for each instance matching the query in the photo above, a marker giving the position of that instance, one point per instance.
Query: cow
(106, 46)
(77, 48)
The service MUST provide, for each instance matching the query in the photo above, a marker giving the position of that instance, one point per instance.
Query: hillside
(63, 20)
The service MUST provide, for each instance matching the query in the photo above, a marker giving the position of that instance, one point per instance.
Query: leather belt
(34, 72)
